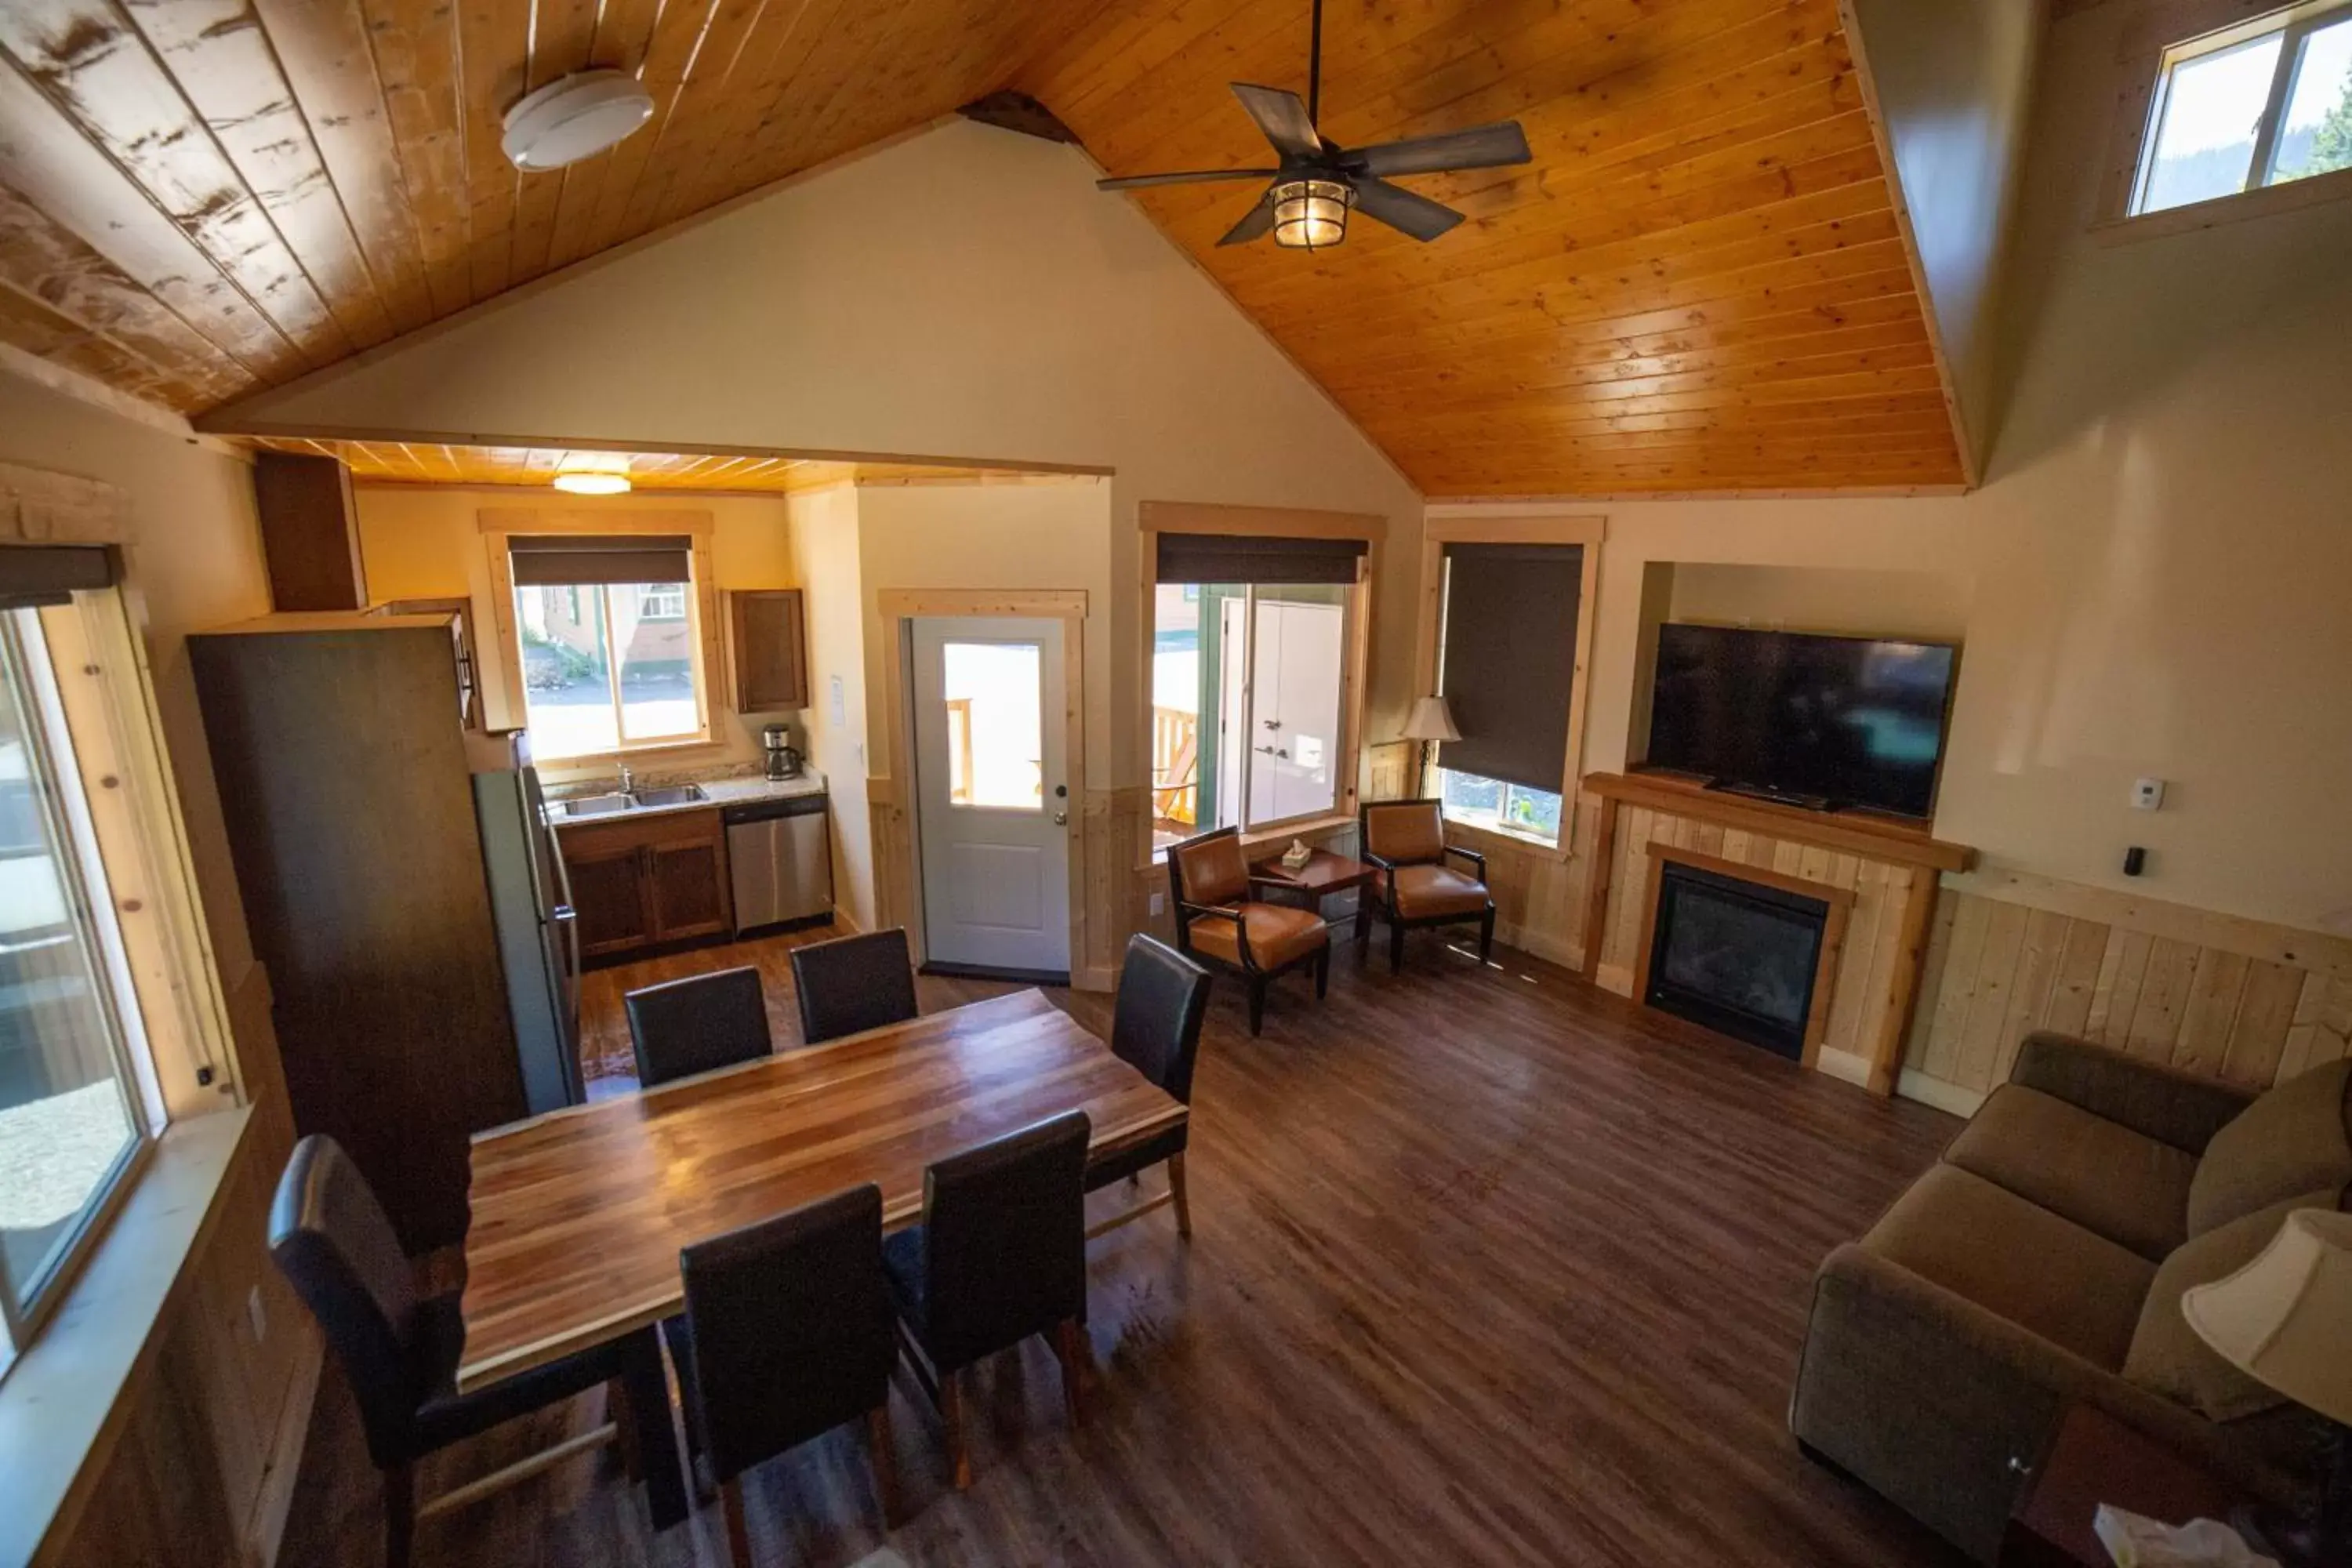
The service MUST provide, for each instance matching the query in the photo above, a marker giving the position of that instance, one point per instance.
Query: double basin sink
(612, 801)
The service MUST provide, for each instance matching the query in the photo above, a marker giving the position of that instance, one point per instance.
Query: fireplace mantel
(1888, 868)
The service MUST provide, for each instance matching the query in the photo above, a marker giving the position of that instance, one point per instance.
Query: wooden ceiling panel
(1700, 281)
(742, 473)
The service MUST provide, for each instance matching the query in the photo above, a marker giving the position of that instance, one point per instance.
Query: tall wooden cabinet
(346, 770)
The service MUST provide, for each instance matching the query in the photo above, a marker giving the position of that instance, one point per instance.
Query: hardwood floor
(1489, 1266)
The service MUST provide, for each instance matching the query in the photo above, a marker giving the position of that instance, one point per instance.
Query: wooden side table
(1325, 876)
(2095, 1458)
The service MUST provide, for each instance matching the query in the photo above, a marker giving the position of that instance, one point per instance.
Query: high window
(2259, 104)
(77, 1102)
(606, 633)
(1254, 640)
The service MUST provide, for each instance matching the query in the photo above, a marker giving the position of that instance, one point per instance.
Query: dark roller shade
(1248, 558)
(570, 560)
(49, 574)
(1510, 659)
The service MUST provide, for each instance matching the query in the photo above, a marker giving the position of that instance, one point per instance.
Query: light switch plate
(2147, 793)
(1159, 902)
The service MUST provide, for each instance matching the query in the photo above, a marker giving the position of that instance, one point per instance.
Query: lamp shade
(1431, 720)
(2285, 1319)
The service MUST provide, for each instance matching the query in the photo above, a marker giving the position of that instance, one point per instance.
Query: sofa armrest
(2172, 1107)
(1945, 1406)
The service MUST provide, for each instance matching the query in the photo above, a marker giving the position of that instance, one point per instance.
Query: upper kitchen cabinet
(771, 650)
(309, 532)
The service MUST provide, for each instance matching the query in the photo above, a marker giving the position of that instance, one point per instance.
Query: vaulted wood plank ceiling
(1698, 285)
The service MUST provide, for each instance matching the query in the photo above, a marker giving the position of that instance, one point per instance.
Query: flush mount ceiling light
(592, 474)
(574, 117)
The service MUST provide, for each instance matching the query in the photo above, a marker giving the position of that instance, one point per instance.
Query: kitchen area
(449, 810)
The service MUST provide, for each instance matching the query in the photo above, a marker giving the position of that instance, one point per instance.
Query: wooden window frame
(1590, 533)
(1156, 517)
(499, 527)
(2166, 36)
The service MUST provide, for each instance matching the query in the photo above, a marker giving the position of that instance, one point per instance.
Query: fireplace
(1740, 957)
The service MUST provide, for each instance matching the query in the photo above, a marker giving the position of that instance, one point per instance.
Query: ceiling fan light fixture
(592, 474)
(1310, 213)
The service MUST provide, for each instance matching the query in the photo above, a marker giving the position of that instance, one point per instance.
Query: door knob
(1061, 819)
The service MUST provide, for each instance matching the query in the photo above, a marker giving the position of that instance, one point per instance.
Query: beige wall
(196, 563)
(1932, 606)
(2160, 560)
(425, 543)
(965, 293)
(825, 552)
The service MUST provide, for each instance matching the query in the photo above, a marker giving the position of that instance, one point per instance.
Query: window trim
(2147, 60)
(498, 525)
(1155, 517)
(1590, 531)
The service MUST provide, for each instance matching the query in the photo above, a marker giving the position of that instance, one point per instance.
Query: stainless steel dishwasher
(780, 860)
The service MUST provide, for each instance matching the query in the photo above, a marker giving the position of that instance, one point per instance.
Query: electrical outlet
(256, 1314)
(2146, 795)
(1159, 902)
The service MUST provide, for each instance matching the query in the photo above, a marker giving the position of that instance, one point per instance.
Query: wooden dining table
(579, 1215)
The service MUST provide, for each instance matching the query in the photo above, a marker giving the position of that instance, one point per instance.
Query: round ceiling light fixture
(574, 117)
(592, 474)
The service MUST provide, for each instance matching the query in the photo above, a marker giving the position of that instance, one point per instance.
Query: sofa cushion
(2107, 1178)
(2166, 1355)
(2018, 1260)
(2291, 1140)
(1424, 892)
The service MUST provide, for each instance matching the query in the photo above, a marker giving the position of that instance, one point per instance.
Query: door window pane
(2213, 113)
(68, 1123)
(2315, 137)
(996, 696)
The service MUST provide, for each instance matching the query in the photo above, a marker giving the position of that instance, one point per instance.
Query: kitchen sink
(670, 795)
(597, 805)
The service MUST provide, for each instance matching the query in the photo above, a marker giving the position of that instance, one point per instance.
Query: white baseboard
(267, 1527)
(1935, 1092)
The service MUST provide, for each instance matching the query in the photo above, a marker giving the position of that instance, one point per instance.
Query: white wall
(966, 293)
(825, 564)
(2162, 555)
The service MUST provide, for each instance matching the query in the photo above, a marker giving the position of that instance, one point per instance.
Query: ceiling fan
(1316, 183)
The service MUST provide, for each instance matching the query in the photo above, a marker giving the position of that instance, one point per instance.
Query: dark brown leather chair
(1155, 1028)
(1404, 842)
(681, 1028)
(331, 1239)
(855, 982)
(1000, 1255)
(1216, 920)
(788, 1334)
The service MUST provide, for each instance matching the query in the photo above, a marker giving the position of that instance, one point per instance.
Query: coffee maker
(783, 757)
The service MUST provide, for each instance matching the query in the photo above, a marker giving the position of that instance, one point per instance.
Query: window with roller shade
(1250, 650)
(606, 634)
(1506, 667)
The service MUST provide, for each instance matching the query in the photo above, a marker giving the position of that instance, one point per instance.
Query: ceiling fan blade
(1190, 177)
(1254, 222)
(1481, 147)
(1283, 117)
(1400, 209)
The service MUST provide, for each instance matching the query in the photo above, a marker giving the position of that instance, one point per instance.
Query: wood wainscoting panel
(1541, 904)
(2240, 999)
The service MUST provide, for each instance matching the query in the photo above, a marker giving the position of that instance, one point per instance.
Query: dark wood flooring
(1489, 1266)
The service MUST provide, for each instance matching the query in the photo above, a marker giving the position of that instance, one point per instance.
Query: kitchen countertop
(722, 792)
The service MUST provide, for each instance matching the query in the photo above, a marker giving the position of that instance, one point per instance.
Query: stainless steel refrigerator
(538, 937)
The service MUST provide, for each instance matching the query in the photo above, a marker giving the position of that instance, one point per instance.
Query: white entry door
(991, 802)
(1295, 701)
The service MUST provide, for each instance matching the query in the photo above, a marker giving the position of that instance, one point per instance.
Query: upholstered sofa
(2041, 1263)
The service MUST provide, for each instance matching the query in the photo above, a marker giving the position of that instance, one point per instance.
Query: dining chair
(681, 1028)
(852, 983)
(1155, 1028)
(788, 1334)
(331, 1239)
(1404, 843)
(1000, 1255)
(1209, 887)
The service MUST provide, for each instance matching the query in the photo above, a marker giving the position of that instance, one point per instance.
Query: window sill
(2291, 196)
(58, 1402)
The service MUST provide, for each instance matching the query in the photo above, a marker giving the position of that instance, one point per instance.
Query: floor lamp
(1431, 720)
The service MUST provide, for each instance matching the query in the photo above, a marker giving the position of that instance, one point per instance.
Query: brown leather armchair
(1218, 921)
(1404, 842)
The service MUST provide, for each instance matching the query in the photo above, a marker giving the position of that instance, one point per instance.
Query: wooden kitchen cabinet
(640, 881)
(771, 650)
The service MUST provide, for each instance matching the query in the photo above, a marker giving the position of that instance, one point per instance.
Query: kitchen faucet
(628, 780)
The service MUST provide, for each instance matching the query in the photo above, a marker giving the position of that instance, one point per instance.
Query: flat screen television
(1834, 722)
